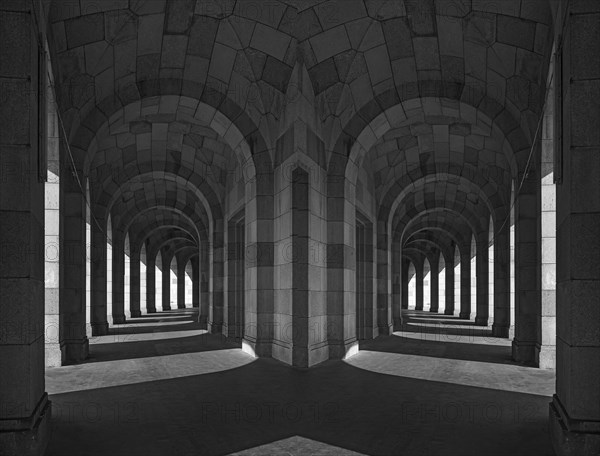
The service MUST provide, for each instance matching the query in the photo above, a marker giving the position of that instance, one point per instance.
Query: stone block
(15, 36)
(84, 29)
(270, 41)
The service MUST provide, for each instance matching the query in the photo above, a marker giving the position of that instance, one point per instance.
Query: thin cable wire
(537, 131)
(64, 135)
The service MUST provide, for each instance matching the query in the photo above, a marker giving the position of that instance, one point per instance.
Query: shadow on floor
(261, 406)
(266, 401)
(180, 333)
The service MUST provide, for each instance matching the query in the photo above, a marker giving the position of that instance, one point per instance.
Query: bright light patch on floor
(291, 445)
(351, 351)
(131, 371)
(504, 377)
(247, 348)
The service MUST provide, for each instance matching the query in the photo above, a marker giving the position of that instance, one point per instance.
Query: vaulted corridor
(302, 226)
(182, 391)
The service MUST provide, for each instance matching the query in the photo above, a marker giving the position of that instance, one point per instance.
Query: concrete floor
(159, 385)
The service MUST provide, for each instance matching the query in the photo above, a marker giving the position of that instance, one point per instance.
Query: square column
(98, 319)
(419, 285)
(150, 284)
(118, 277)
(24, 406)
(434, 279)
(166, 279)
(526, 343)
(195, 281)
(575, 409)
(449, 272)
(397, 284)
(483, 296)
(501, 325)
(404, 286)
(75, 344)
(465, 283)
(134, 283)
(204, 275)
(181, 264)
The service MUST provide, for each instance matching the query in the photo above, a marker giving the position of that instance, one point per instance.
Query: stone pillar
(526, 342)
(419, 285)
(483, 278)
(166, 279)
(575, 409)
(449, 309)
(99, 319)
(134, 282)
(216, 283)
(118, 277)
(205, 274)
(25, 409)
(501, 325)
(465, 282)
(547, 358)
(404, 285)
(73, 281)
(150, 283)
(195, 281)
(397, 276)
(181, 264)
(258, 256)
(434, 280)
(234, 280)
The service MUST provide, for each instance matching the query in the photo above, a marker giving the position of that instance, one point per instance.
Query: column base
(215, 328)
(397, 324)
(481, 321)
(500, 330)
(203, 322)
(449, 312)
(383, 330)
(434, 310)
(30, 436)
(53, 355)
(572, 437)
(524, 352)
(258, 348)
(546, 356)
(136, 313)
(76, 351)
(151, 310)
(100, 329)
(464, 315)
(343, 349)
(166, 308)
(118, 319)
(418, 308)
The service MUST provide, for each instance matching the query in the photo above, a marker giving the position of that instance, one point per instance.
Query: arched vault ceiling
(354, 51)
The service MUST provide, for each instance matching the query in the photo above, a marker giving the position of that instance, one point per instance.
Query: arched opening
(412, 286)
(109, 270)
(158, 281)
(88, 261)
(127, 278)
(473, 280)
(189, 285)
(457, 280)
(426, 285)
(143, 279)
(173, 281)
(511, 332)
(491, 273)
